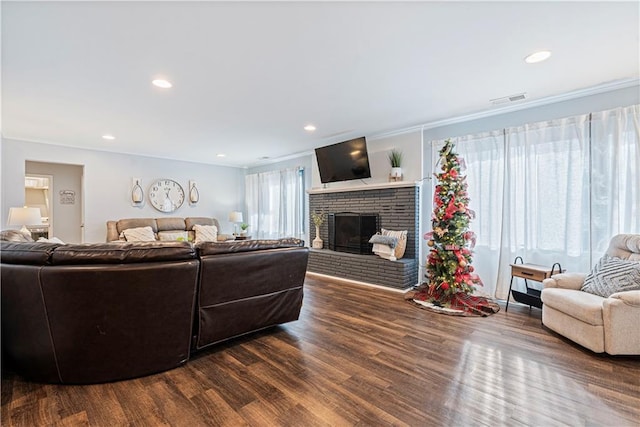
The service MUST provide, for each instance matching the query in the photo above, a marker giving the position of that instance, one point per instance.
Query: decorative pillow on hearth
(206, 233)
(402, 241)
(139, 234)
(172, 236)
(611, 275)
(384, 240)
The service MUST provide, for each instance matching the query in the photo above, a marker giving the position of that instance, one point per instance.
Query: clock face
(166, 195)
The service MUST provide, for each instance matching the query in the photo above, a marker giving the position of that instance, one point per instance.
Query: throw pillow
(402, 241)
(611, 275)
(51, 240)
(206, 233)
(172, 236)
(384, 240)
(139, 234)
(14, 236)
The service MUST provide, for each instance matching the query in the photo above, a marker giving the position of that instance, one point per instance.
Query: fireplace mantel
(364, 187)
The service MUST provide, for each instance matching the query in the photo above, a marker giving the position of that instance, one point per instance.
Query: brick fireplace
(397, 205)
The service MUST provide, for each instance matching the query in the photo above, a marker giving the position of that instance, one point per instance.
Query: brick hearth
(398, 208)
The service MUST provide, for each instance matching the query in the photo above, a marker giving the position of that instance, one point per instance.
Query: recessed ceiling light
(109, 137)
(164, 84)
(539, 56)
(309, 128)
(221, 155)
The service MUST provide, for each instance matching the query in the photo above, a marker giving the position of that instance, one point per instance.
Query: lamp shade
(235, 216)
(24, 216)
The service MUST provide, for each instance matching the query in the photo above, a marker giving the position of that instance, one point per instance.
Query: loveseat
(590, 316)
(92, 313)
(164, 229)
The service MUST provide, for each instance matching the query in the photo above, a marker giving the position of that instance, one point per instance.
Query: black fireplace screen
(350, 232)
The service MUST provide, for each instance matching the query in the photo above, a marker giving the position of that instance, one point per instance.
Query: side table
(536, 273)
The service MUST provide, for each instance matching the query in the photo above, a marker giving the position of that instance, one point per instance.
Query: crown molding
(581, 93)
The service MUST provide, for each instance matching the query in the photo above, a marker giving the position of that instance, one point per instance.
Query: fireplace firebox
(350, 232)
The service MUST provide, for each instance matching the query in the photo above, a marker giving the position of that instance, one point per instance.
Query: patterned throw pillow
(206, 233)
(611, 275)
(139, 234)
(402, 241)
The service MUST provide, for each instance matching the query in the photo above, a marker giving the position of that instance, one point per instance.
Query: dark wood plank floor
(360, 356)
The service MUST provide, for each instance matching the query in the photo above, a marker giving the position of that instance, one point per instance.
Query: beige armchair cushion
(580, 305)
(625, 246)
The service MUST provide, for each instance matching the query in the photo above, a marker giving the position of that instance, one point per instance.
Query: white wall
(107, 184)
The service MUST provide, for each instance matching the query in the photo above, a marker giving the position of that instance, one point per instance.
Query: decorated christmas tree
(450, 277)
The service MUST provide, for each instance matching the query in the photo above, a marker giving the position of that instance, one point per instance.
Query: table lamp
(24, 216)
(235, 217)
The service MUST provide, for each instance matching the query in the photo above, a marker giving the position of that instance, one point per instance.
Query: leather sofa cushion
(122, 253)
(214, 248)
(199, 220)
(30, 253)
(170, 224)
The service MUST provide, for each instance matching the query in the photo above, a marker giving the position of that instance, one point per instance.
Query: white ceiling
(248, 76)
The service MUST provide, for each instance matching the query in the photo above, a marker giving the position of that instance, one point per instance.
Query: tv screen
(343, 161)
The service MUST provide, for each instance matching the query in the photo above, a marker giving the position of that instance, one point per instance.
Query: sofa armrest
(565, 281)
(112, 231)
(620, 313)
(631, 298)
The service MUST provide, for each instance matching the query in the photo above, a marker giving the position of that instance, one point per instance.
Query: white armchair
(610, 325)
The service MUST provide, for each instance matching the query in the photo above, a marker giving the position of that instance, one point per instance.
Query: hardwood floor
(360, 356)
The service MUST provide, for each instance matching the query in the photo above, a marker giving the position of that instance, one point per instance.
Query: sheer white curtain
(545, 213)
(615, 181)
(553, 191)
(275, 203)
(483, 156)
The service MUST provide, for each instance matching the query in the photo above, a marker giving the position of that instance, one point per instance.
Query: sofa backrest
(625, 246)
(248, 285)
(40, 253)
(27, 253)
(125, 253)
(215, 248)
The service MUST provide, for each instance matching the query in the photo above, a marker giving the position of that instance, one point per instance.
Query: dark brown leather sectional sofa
(90, 313)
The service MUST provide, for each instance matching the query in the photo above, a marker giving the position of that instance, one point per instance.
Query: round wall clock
(166, 195)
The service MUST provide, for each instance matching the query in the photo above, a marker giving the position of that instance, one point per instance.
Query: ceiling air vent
(510, 98)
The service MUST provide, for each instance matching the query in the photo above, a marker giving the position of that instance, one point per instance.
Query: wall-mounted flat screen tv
(344, 161)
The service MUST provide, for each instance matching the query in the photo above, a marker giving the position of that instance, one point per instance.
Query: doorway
(63, 199)
(37, 194)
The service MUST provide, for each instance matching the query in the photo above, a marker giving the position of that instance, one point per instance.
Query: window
(553, 191)
(275, 203)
